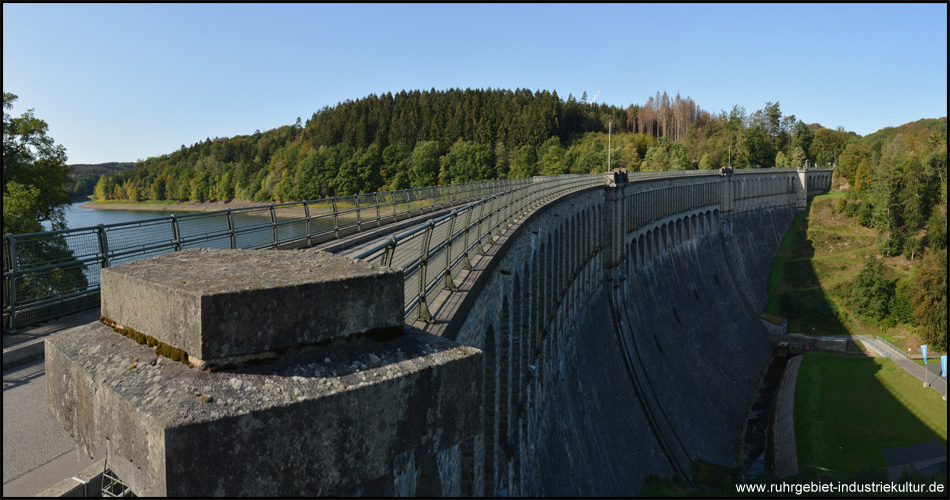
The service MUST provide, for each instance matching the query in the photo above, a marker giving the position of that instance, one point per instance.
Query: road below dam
(661, 363)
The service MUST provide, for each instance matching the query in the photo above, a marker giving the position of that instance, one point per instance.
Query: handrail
(36, 265)
(429, 266)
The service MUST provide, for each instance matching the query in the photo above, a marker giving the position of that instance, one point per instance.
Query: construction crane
(591, 101)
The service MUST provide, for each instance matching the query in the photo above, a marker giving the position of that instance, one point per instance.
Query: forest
(83, 177)
(421, 138)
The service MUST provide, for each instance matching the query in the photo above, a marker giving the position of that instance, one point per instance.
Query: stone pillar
(613, 221)
(801, 189)
(260, 373)
(728, 189)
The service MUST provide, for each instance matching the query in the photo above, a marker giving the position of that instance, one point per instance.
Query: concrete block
(219, 303)
(311, 423)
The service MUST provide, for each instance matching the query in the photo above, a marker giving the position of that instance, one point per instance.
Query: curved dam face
(660, 365)
(621, 335)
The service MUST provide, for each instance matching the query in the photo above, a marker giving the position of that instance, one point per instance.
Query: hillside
(830, 279)
(84, 176)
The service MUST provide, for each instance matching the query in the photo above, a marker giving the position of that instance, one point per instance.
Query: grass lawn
(863, 405)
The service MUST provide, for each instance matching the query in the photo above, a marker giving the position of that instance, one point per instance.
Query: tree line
(421, 138)
(896, 180)
(84, 176)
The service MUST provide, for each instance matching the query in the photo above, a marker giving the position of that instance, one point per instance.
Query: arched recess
(505, 349)
(641, 251)
(634, 255)
(664, 241)
(516, 373)
(490, 409)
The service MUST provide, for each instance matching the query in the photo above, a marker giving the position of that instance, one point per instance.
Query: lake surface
(77, 217)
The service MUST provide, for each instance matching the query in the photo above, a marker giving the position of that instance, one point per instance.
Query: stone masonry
(342, 387)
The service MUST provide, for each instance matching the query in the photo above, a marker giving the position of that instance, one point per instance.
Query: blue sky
(123, 82)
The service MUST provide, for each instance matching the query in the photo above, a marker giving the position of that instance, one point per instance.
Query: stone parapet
(318, 422)
(223, 303)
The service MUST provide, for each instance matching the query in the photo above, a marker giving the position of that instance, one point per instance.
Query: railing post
(306, 211)
(103, 245)
(231, 229)
(376, 199)
(273, 222)
(424, 314)
(466, 262)
(11, 293)
(449, 284)
(176, 234)
(481, 220)
(359, 215)
(336, 218)
(390, 250)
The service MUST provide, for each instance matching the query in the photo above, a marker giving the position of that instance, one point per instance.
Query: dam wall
(620, 334)
(605, 334)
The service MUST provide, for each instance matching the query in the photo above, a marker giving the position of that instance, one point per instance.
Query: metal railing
(50, 274)
(891, 350)
(435, 252)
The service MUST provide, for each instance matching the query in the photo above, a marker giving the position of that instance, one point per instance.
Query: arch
(548, 274)
(505, 348)
(489, 408)
(575, 253)
(640, 246)
(516, 369)
(556, 252)
(664, 238)
(536, 293)
(655, 243)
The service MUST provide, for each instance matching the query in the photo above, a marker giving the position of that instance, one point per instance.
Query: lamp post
(609, 124)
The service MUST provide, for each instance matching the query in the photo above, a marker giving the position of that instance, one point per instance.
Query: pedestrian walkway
(931, 372)
(27, 343)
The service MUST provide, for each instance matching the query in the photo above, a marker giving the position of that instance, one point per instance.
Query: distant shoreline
(206, 206)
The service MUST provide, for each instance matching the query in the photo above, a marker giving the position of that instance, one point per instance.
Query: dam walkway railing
(54, 273)
(435, 252)
(51, 274)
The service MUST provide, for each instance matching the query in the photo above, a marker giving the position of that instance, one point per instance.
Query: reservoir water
(77, 217)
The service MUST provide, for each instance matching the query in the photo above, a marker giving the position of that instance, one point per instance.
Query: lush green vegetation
(863, 405)
(828, 279)
(84, 176)
(35, 176)
(422, 138)
(34, 173)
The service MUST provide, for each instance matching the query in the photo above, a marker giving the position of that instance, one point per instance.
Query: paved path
(933, 378)
(37, 451)
(783, 430)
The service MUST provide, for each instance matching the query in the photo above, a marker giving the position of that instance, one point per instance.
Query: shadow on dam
(663, 363)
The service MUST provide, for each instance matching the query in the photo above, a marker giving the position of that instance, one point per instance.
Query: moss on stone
(161, 348)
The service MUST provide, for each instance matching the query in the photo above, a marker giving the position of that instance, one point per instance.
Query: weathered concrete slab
(313, 422)
(220, 303)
